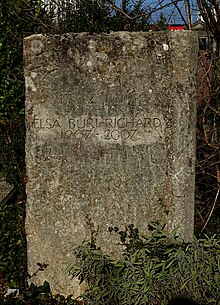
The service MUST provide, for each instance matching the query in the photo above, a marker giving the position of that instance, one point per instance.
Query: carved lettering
(156, 122)
(133, 132)
(147, 122)
(140, 123)
(121, 123)
(107, 134)
(142, 129)
(48, 123)
(37, 122)
(128, 129)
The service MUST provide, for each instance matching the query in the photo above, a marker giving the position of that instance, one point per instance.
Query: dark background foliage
(17, 20)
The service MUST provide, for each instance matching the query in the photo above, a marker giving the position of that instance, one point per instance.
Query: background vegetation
(17, 20)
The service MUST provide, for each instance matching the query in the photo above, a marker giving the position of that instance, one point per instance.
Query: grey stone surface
(110, 137)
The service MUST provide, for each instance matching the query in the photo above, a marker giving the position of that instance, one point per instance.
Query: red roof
(173, 27)
(176, 27)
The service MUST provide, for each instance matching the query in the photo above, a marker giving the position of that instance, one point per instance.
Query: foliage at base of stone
(39, 295)
(153, 270)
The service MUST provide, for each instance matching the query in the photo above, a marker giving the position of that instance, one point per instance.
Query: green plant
(153, 269)
(38, 295)
(12, 152)
(102, 16)
(17, 20)
(161, 24)
(13, 244)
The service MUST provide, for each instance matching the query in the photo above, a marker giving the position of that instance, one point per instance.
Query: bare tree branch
(188, 14)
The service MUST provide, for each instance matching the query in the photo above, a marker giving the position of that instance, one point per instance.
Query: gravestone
(110, 141)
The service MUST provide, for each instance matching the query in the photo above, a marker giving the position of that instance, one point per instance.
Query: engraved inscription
(129, 130)
(69, 154)
(48, 123)
(105, 118)
(114, 122)
(98, 104)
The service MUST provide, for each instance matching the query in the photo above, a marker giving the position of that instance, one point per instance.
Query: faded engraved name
(103, 129)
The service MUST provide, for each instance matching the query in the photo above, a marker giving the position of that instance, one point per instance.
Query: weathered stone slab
(110, 138)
